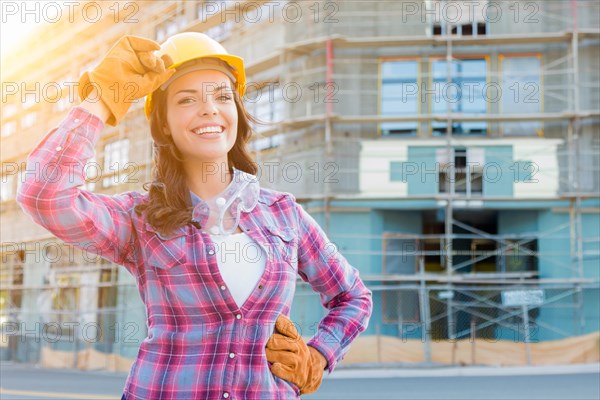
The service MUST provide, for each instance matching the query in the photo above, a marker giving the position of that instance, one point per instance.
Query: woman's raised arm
(51, 191)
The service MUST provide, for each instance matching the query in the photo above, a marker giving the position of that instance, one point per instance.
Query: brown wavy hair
(169, 203)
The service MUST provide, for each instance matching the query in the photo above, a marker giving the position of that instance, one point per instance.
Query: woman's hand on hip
(292, 359)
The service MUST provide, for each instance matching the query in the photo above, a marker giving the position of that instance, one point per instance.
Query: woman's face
(202, 116)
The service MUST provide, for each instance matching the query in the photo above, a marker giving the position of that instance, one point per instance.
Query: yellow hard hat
(187, 46)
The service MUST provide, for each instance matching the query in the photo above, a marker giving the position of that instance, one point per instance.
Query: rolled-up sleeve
(51, 192)
(339, 286)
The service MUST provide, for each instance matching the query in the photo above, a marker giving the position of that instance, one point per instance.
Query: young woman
(215, 256)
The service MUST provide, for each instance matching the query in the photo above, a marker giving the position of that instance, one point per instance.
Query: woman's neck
(208, 179)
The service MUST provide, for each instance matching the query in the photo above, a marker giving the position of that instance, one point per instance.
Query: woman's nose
(207, 107)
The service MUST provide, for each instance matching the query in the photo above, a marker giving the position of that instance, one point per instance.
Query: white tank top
(241, 264)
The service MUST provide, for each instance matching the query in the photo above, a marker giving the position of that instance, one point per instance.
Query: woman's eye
(185, 100)
(224, 98)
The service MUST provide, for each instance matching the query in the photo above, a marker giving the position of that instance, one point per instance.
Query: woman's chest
(183, 271)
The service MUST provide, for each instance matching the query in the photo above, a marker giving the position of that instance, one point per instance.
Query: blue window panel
(399, 95)
(465, 93)
(392, 105)
(497, 172)
(399, 69)
(398, 90)
(422, 174)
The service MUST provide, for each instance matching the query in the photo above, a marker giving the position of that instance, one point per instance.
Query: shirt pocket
(165, 251)
(285, 244)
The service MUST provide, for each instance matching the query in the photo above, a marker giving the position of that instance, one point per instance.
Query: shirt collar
(201, 208)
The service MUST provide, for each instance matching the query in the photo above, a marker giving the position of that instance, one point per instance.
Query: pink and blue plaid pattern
(200, 344)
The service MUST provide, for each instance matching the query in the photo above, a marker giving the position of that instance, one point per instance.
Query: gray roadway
(28, 382)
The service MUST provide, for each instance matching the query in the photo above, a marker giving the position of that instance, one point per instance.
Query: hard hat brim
(235, 62)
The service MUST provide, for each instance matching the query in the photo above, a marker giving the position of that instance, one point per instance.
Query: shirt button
(58, 148)
(225, 395)
(76, 120)
(211, 252)
(231, 355)
(220, 201)
(239, 316)
(223, 287)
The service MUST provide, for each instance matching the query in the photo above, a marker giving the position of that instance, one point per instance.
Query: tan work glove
(292, 359)
(128, 72)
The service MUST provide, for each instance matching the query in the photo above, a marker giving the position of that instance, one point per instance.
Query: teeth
(210, 129)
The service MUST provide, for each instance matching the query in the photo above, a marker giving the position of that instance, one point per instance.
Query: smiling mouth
(209, 131)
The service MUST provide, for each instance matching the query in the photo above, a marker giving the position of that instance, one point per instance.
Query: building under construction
(450, 150)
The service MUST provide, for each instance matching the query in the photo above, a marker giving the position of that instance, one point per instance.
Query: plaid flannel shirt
(200, 344)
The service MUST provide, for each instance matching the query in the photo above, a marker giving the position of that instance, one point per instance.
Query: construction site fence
(412, 323)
